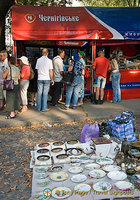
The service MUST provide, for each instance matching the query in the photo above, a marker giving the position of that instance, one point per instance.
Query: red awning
(56, 23)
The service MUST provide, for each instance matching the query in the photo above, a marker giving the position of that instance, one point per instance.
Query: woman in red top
(24, 82)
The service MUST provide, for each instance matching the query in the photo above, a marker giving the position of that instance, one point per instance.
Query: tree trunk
(4, 7)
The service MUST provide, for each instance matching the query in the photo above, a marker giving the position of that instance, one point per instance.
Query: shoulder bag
(8, 84)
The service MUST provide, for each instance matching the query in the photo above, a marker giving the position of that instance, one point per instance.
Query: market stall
(56, 25)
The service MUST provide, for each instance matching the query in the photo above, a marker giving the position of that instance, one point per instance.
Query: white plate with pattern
(124, 185)
(104, 161)
(61, 192)
(97, 173)
(82, 187)
(102, 186)
(117, 175)
(92, 166)
(78, 178)
(109, 168)
(75, 170)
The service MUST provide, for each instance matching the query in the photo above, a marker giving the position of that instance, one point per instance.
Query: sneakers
(80, 104)
(64, 108)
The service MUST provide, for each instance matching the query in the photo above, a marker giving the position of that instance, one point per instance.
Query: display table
(130, 85)
(92, 195)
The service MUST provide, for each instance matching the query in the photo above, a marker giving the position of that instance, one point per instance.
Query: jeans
(43, 87)
(73, 91)
(116, 86)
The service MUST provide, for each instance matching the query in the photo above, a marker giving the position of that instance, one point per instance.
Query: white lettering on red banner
(58, 18)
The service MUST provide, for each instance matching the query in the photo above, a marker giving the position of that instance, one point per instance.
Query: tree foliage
(6, 4)
(111, 3)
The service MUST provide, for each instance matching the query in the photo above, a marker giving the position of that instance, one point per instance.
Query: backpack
(32, 74)
(87, 72)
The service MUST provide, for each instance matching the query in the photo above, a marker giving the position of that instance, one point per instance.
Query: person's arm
(114, 64)
(51, 76)
(83, 72)
(5, 73)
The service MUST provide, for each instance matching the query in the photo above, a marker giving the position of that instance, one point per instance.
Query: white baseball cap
(24, 59)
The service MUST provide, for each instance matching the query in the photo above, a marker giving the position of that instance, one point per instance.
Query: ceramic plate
(78, 178)
(82, 187)
(40, 196)
(75, 170)
(124, 185)
(110, 168)
(43, 182)
(117, 175)
(97, 173)
(102, 186)
(59, 176)
(41, 175)
(42, 169)
(104, 161)
(57, 168)
(92, 166)
(61, 192)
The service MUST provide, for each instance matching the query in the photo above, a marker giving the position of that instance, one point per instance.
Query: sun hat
(24, 59)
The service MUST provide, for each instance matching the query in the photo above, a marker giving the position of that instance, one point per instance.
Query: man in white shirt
(44, 68)
(58, 67)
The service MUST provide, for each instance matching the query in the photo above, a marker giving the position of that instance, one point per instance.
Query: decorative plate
(43, 182)
(61, 192)
(41, 175)
(124, 185)
(42, 169)
(117, 175)
(72, 142)
(102, 186)
(43, 151)
(59, 176)
(58, 143)
(84, 157)
(57, 168)
(78, 178)
(97, 173)
(74, 151)
(75, 164)
(109, 168)
(43, 158)
(44, 145)
(56, 150)
(62, 156)
(104, 161)
(40, 196)
(82, 187)
(92, 166)
(75, 170)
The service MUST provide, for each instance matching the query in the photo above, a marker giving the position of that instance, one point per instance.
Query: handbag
(8, 84)
(68, 78)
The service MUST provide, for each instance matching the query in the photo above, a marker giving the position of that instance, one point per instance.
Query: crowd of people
(49, 73)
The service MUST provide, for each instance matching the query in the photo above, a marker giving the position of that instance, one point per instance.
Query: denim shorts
(99, 82)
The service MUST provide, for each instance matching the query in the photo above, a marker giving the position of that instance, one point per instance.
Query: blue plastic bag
(123, 130)
(89, 131)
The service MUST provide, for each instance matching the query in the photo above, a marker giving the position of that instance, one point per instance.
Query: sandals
(10, 117)
(22, 111)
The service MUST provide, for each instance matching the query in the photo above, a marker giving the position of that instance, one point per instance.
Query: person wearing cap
(44, 68)
(24, 82)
